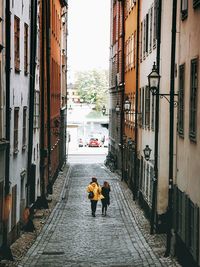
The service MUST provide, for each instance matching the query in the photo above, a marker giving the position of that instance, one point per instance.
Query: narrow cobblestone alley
(72, 237)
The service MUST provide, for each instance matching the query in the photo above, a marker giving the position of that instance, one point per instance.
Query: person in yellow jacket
(96, 189)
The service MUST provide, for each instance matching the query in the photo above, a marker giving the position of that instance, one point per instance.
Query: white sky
(89, 35)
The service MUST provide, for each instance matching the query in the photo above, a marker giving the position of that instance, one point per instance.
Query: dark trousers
(93, 206)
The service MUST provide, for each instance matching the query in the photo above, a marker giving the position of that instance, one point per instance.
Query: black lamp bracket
(166, 97)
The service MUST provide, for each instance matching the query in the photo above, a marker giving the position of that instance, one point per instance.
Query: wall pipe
(171, 130)
(33, 45)
(155, 179)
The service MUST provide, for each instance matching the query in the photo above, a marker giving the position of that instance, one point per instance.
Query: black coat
(105, 191)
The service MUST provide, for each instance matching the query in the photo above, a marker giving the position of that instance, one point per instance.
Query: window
(36, 110)
(139, 107)
(150, 28)
(14, 206)
(196, 3)
(25, 48)
(181, 100)
(152, 112)
(184, 9)
(147, 106)
(143, 114)
(141, 44)
(17, 43)
(24, 127)
(16, 125)
(144, 38)
(193, 99)
(147, 32)
(155, 23)
(134, 49)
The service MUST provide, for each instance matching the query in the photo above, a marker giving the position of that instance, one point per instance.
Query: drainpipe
(48, 49)
(171, 131)
(155, 180)
(136, 167)
(42, 88)
(33, 44)
(122, 91)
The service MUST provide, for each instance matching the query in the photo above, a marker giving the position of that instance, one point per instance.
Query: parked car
(94, 142)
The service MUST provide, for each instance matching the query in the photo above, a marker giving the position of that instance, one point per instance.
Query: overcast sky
(89, 35)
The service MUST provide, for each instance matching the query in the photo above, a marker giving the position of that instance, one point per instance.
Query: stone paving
(72, 237)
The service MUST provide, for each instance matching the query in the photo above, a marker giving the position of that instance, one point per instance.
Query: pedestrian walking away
(94, 194)
(105, 190)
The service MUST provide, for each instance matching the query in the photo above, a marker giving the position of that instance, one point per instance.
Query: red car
(94, 142)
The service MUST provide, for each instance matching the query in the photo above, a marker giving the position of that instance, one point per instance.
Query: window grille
(193, 100)
(181, 100)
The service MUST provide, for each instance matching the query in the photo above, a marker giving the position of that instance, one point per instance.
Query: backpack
(90, 195)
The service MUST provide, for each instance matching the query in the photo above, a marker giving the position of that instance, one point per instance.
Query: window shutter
(196, 232)
(183, 217)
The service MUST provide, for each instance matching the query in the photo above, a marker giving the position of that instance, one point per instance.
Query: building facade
(116, 82)
(187, 180)
(130, 88)
(3, 143)
(19, 111)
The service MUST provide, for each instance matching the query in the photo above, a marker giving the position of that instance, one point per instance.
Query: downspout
(48, 47)
(171, 130)
(155, 180)
(122, 91)
(33, 43)
(42, 87)
(136, 175)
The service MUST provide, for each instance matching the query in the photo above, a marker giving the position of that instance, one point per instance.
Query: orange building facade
(55, 81)
(130, 57)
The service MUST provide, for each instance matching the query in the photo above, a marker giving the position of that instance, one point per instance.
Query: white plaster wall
(146, 136)
(165, 67)
(19, 97)
(188, 153)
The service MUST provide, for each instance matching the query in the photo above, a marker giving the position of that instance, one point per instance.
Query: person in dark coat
(105, 191)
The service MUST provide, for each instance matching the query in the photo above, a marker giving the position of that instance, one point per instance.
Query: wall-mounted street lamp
(127, 105)
(154, 80)
(103, 110)
(147, 152)
(117, 108)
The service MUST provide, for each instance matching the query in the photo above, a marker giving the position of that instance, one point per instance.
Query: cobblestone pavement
(72, 237)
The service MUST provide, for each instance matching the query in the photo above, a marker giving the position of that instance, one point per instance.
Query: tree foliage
(92, 87)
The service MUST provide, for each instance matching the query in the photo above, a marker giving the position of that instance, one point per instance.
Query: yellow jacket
(96, 190)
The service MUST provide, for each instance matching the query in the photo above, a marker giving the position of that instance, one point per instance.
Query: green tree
(93, 87)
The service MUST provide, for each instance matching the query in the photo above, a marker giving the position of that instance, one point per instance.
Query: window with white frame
(150, 28)
(24, 127)
(36, 110)
(16, 130)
